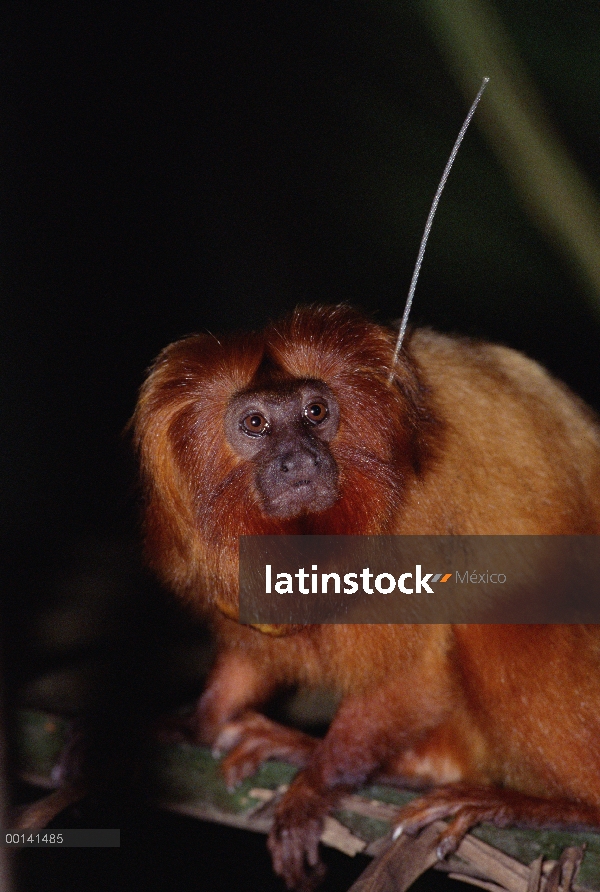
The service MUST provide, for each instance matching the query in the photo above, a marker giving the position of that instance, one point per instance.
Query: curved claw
(465, 818)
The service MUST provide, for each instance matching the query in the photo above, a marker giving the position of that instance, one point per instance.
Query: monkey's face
(285, 434)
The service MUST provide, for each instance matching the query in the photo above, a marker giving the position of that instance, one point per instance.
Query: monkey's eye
(255, 425)
(316, 413)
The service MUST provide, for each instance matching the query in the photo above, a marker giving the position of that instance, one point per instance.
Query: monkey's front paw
(252, 739)
(294, 838)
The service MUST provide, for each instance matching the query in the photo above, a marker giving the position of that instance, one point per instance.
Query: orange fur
(470, 439)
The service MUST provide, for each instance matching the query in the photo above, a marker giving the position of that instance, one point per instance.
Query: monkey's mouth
(299, 497)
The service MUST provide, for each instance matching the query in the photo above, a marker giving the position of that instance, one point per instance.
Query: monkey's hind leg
(469, 805)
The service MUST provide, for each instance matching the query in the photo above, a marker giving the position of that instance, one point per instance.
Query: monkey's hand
(294, 838)
(252, 739)
(470, 805)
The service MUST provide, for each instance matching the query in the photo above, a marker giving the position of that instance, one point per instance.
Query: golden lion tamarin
(296, 430)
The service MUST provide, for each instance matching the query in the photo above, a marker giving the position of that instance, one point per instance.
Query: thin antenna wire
(428, 225)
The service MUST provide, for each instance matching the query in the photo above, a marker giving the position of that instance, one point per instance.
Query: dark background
(184, 167)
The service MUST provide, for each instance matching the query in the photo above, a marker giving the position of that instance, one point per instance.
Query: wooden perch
(187, 780)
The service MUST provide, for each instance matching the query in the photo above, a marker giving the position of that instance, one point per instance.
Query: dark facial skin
(285, 433)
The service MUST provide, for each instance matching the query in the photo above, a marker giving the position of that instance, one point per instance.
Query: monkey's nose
(298, 462)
